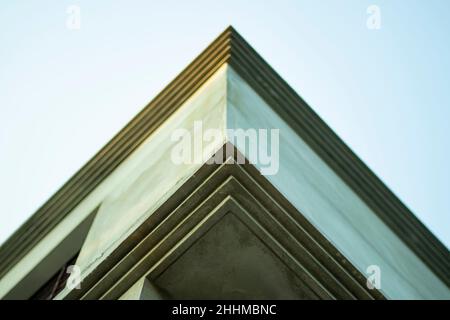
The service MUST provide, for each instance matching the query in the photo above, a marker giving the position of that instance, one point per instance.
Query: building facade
(227, 185)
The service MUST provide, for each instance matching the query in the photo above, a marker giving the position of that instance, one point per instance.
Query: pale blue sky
(65, 93)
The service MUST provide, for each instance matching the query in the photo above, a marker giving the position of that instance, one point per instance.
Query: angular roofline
(229, 47)
(227, 186)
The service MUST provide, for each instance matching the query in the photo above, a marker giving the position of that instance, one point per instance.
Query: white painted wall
(330, 205)
(148, 177)
(136, 188)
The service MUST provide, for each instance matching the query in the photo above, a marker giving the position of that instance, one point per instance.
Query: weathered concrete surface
(149, 176)
(318, 192)
(230, 262)
(135, 188)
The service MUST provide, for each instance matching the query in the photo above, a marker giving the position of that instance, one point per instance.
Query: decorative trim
(194, 208)
(231, 48)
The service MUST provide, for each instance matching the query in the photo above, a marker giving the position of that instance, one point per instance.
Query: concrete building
(295, 216)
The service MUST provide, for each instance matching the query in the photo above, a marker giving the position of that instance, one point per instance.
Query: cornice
(213, 191)
(231, 48)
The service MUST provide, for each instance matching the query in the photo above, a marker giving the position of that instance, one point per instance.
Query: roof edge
(230, 47)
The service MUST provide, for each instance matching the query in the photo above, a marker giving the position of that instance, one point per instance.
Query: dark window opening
(56, 283)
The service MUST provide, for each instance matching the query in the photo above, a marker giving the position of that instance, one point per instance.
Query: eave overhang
(232, 49)
(214, 191)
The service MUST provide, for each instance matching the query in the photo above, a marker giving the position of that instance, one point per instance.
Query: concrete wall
(330, 205)
(148, 177)
(135, 189)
